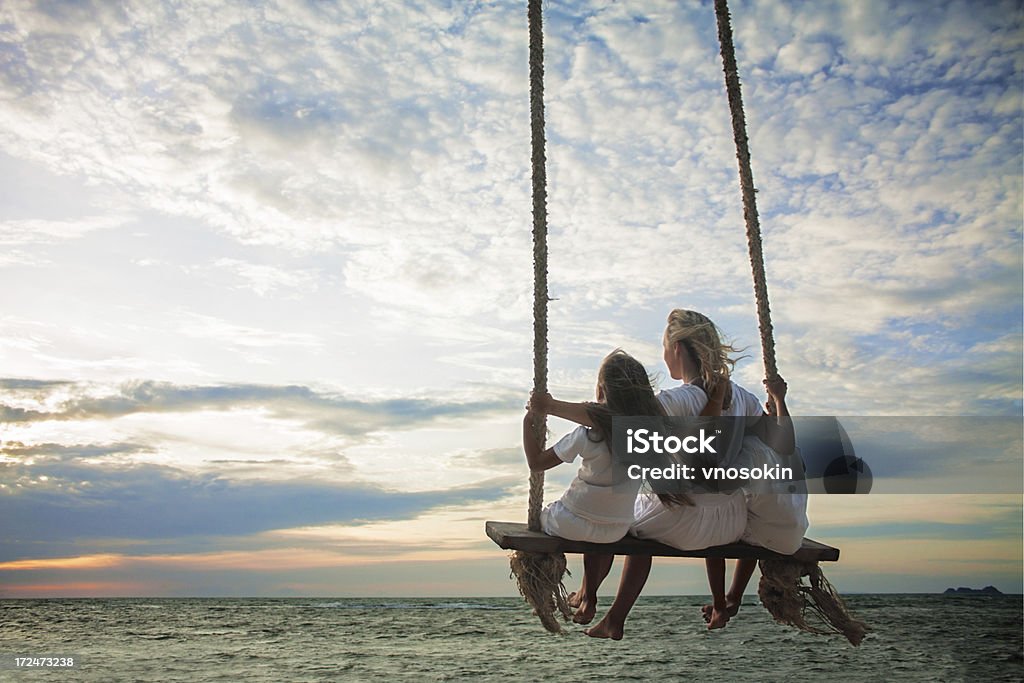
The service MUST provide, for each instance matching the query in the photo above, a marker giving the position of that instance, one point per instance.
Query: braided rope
(780, 589)
(539, 575)
(540, 246)
(739, 133)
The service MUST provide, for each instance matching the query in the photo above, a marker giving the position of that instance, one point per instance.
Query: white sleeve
(683, 401)
(572, 444)
(750, 404)
(755, 406)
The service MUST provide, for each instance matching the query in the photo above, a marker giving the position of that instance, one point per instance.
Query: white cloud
(804, 59)
(190, 324)
(34, 232)
(337, 195)
(383, 150)
(265, 279)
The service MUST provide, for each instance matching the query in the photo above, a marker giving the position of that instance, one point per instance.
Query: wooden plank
(515, 536)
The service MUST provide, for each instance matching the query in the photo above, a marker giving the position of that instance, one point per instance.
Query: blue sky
(269, 278)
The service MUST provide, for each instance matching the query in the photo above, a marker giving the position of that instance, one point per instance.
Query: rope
(540, 245)
(781, 590)
(539, 575)
(816, 607)
(739, 134)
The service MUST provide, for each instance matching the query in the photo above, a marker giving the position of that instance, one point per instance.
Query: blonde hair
(703, 340)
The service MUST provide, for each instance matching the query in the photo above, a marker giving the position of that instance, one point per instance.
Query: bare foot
(605, 629)
(731, 608)
(718, 619)
(585, 612)
(574, 599)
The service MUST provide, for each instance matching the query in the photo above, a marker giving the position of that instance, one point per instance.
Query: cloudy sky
(267, 320)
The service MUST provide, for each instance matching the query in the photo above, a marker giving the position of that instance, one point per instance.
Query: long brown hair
(626, 389)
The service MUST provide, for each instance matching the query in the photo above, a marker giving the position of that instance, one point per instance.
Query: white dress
(714, 518)
(598, 505)
(774, 521)
(777, 521)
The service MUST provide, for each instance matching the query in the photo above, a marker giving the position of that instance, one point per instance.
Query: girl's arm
(573, 412)
(713, 408)
(776, 404)
(577, 412)
(538, 460)
(776, 428)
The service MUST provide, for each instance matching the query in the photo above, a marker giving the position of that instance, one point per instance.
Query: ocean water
(914, 638)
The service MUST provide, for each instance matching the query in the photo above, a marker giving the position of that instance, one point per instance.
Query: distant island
(987, 590)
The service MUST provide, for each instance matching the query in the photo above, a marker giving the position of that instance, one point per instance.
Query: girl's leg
(734, 598)
(595, 568)
(576, 597)
(634, 575)
(740, 578)
(716, 580)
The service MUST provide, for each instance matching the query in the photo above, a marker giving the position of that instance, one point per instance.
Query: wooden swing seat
(516, 536)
